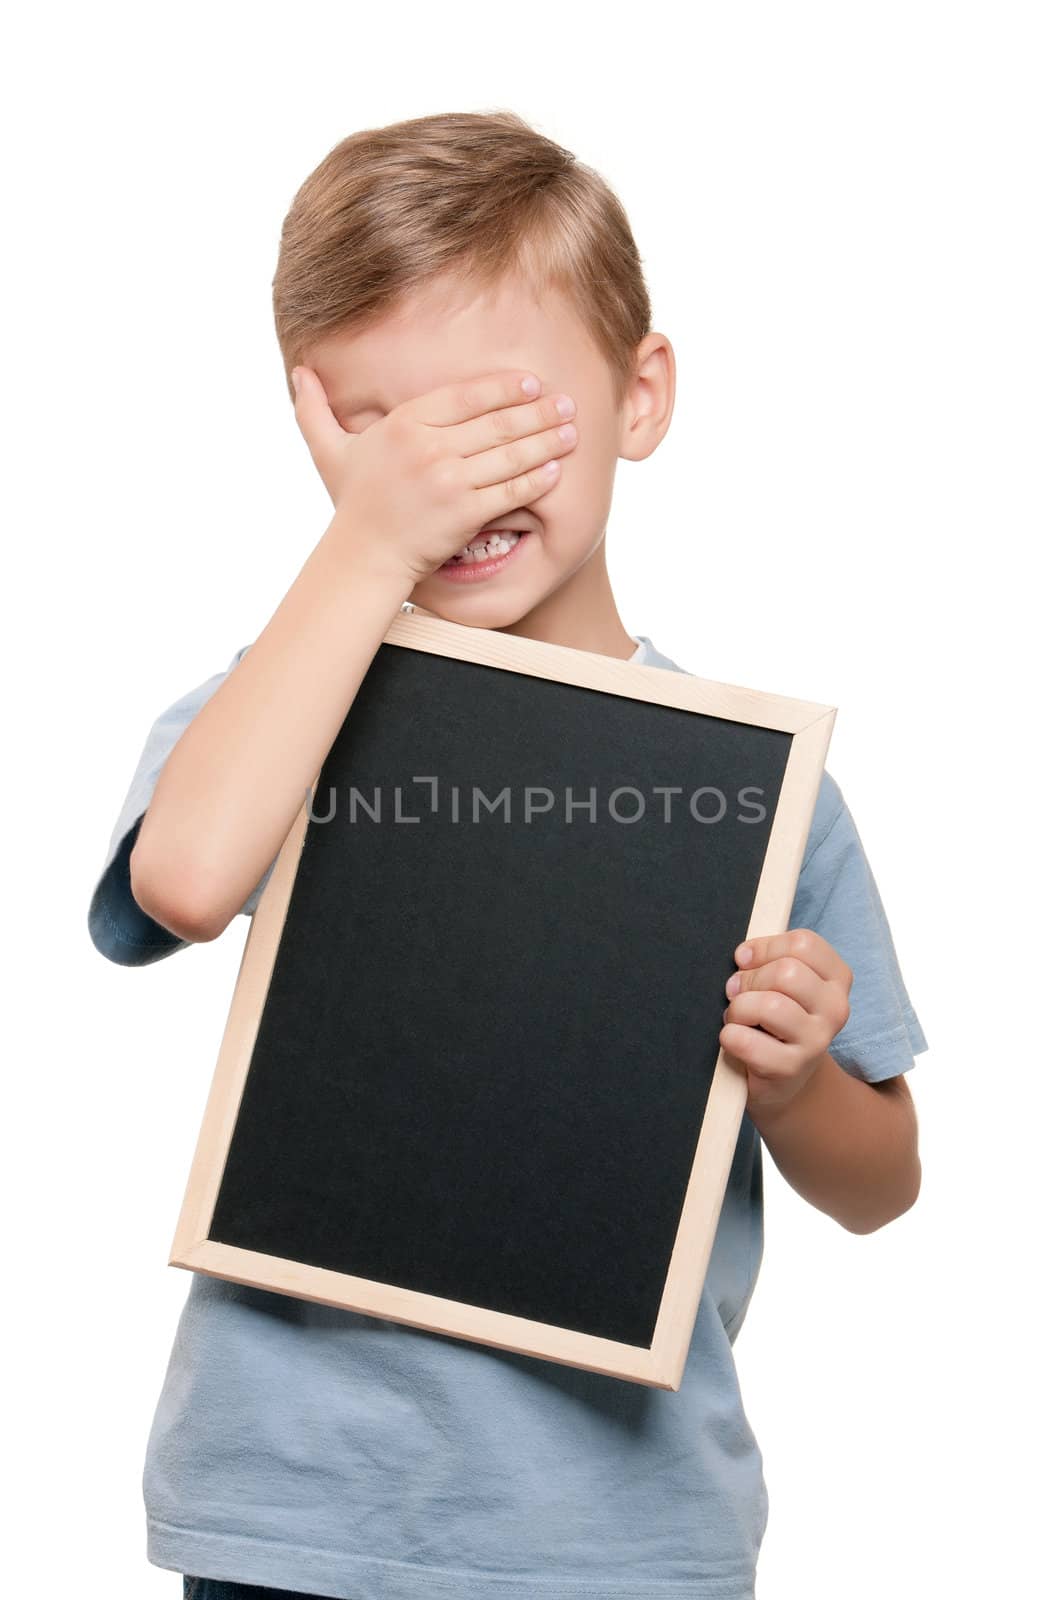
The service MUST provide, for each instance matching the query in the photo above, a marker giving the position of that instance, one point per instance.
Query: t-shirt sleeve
(118, 926)
(838, 898)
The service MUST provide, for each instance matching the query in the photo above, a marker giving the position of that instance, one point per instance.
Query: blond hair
(476, 194)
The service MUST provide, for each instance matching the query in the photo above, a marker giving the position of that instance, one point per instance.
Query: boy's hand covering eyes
(788, 1000)
(423, 481)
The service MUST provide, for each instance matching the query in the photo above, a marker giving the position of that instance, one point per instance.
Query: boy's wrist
(768, 1115)
(358, 550)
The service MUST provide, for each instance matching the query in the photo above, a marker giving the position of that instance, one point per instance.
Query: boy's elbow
(899, 1195)
(911, 1191)
(901, 1202)
(190, 911)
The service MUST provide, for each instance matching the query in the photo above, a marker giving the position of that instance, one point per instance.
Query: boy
(462, 311)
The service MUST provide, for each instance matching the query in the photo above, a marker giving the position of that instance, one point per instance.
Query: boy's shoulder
(826, 817)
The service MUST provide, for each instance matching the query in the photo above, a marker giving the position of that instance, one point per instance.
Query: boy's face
(447, 333)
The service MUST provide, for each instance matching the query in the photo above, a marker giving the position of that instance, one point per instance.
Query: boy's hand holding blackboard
(423, 480)
(788, 1000)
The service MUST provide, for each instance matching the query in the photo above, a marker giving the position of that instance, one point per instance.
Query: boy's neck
(580, 613)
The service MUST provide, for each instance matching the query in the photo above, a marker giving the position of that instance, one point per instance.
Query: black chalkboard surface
(471, 1078)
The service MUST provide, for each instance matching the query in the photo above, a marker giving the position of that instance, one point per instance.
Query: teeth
(485, 546)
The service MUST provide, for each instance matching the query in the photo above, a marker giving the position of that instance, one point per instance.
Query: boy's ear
(650, 400)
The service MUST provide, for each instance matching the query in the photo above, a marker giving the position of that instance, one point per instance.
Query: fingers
(507, 438)
(789, 996)
(523, 488)
(769, 1058)
(317, 420)
(538, 426)
(502, 463)
(805, 945)
(776, 1014)
(460, 402)
(786, 976)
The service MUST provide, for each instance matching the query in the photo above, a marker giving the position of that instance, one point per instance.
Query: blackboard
(471, 1078)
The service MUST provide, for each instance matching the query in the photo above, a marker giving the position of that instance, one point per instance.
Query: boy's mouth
(490, 547)
(484, 555)
(484, 546)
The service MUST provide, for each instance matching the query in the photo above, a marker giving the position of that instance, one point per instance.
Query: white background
(849, 216)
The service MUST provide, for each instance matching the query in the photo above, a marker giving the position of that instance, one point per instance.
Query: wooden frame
(660, 1366)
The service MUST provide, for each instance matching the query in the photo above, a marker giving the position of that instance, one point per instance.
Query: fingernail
(743, 953)
(732, 984)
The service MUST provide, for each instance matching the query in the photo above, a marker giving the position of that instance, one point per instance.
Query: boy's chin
(479, 605)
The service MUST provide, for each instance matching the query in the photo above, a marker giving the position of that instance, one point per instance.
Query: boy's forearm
(850, 1148)
(236, 778)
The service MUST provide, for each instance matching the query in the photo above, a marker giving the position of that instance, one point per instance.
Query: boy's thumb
(314, 416)
(302, 386)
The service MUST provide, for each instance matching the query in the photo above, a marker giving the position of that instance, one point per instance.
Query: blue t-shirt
(302, 1446)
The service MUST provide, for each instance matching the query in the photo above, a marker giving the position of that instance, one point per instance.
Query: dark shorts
(220, 1589)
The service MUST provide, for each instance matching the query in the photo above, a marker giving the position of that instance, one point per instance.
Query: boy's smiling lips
(477, 571)
(521, 522)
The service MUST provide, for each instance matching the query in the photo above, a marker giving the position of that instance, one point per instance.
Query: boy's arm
(821, 1021)
(120, 926)
(234, 781)
(849, 1147)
